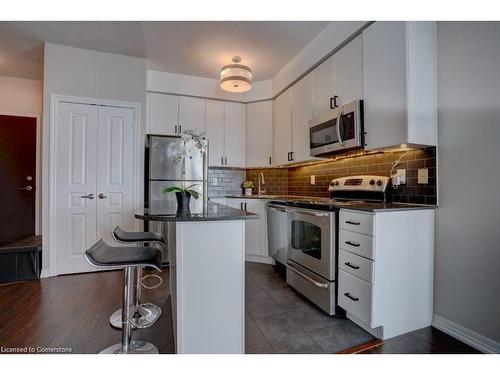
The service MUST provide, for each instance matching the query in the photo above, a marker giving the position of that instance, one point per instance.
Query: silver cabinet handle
(241, 206)
(348, 295)
(352, 222)
(102, 196)
(180, 129)
(355, 244)
(29, 188)
(88, 196)
(319, 285)
(245, 206)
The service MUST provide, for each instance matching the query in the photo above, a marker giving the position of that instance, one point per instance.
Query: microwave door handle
(339, 137)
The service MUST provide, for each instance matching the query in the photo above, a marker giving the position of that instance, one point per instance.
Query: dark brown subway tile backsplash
(296, 180)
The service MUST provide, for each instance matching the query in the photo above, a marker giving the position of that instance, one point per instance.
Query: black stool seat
(103, 255)
(131, 237)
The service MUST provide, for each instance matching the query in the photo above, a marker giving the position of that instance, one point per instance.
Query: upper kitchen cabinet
(283, 128)
(234, 135)
(172, 114)
(348, 72)
(163, 114)
(399, 79)
(340, 77)
(191, 114)
(259, 134)
(322, 87)
(214, 120)
(302, 113)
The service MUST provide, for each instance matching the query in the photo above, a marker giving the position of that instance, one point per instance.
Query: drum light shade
(236, 77)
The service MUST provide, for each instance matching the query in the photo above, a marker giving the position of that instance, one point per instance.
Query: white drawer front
(355, 296)
(356, 243)
(356, 222)
(356, 265)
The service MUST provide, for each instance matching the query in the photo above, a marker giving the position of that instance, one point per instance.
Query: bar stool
(104, 256)
(146, 314)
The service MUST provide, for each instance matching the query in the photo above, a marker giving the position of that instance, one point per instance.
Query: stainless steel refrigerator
(162, 170)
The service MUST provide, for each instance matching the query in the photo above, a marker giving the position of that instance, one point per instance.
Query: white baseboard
(259, 259)
(466, 335)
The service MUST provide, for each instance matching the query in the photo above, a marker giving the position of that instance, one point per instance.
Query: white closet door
(75, 177)
(115, 171)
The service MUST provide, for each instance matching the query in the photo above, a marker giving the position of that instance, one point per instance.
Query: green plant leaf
(172, 189)
(194, 193)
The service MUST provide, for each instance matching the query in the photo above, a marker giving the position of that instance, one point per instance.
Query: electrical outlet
(401, 174)
(423, 176)
(214, 181)
(313, 179)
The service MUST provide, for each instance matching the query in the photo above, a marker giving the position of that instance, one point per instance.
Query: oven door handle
(319, 285)
(319, 214)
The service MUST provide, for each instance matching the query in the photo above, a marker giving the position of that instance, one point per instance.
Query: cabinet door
(163, 114)
(234, 135)
(256, 230)
(214, 118)
(384, 80)
(235, 203)
(282, 128)
(302, 111)
(323, 88)
(348, 72)
(259, 134)
(191, 114)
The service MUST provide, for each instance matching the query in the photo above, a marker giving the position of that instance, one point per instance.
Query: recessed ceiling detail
(191, 48)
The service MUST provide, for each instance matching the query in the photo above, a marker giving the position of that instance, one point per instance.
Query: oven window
(306, 238)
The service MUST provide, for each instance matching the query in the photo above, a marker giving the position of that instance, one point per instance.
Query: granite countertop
(167, 211)
(361, 206)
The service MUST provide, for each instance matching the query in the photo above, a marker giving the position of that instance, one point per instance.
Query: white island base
(207, 283)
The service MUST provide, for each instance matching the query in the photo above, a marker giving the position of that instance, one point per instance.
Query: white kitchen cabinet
(400, 84)
(234, 134)
(256, 249)
(282, 128)
(259, 134)
(323, 87)
(348, 72)
(191, 114)
(172, 114)
(214, 118)
(163, 114)
(302, 113)
(386, 264)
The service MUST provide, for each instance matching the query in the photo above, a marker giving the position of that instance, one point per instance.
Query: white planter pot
(248, 191)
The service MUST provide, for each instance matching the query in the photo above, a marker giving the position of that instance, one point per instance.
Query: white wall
(20, 96)
(85, 73)
(467, 263)
(205, 87)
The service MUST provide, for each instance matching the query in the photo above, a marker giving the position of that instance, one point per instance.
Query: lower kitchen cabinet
(256, 249)
(386, 268)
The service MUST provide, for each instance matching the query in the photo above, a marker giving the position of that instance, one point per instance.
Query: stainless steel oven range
(312, 227)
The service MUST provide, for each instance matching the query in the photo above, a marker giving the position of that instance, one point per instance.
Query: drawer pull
(353, 266)
(355, 244)
(352, 222)
(351, 297)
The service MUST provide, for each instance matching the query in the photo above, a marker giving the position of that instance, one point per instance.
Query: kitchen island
(206, 245)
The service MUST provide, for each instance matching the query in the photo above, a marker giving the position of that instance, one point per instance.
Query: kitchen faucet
(261, 177)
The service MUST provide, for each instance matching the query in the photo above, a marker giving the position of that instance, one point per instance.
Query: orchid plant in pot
(248, 187)
(191, 142)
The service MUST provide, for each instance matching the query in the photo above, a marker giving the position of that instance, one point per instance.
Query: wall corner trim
(466, 335)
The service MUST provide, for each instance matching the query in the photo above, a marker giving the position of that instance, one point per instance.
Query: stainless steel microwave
(338, 130)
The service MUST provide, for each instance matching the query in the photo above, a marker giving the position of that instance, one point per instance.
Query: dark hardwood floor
(72, 312)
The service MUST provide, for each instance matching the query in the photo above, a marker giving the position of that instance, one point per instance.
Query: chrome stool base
(136, 347)
(144, 316)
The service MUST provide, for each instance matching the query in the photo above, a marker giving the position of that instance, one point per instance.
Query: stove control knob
(379, 182)
(372, 182)
(336, 183)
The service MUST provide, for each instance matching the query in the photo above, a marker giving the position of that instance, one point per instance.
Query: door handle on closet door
(102, 196)
(88, 196)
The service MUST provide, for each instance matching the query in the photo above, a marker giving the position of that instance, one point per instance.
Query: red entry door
(17, 177)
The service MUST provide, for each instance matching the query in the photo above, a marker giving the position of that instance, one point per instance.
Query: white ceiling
(192, 48)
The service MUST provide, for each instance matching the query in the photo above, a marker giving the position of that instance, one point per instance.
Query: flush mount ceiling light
(236, 77)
